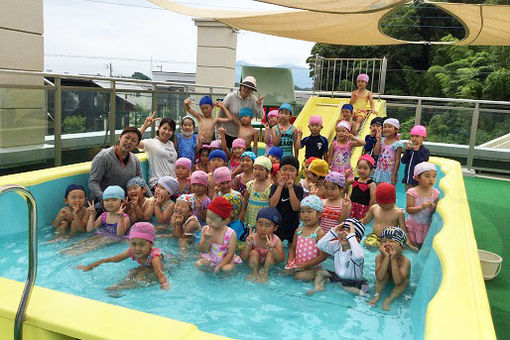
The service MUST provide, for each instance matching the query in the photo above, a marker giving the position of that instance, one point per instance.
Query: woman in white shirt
(160, 150)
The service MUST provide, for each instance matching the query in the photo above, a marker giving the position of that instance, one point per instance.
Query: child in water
(206, 122)
(263, 248)
(336, 207)
(138, 207)
(199, 181)
(246, 130)
(112, 224)
(421, 203)
(182, 173)
(414, 153)
(385, 213)
(360, 98)
(245, 170)
(141, 241)
(342, 242)
(163, 204)
(363, 188)
(304, 256)
(271, 120)
(218, 242)
(341, 149)
(388, 153)
(74, 216)
(391, 265)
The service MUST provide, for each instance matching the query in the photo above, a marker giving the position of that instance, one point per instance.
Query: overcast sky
(83, 36)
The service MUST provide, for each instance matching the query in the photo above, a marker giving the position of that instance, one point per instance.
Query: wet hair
(191, 119)
(170, 123)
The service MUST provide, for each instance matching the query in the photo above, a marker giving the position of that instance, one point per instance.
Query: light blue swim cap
(114, 191)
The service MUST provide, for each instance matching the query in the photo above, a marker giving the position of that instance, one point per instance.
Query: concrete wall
(216, 53)
(22, 112)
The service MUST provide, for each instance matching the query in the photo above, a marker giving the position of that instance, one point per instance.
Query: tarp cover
(338, 6)
(485, 24)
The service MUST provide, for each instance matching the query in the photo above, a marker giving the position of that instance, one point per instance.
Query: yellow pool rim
(460, 309)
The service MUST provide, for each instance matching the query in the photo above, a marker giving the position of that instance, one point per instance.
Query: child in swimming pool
(233, 221)
(374, 138)
(316, 145)
(257, 192)
(222, 181)
(388, 153)
(275, 155)
(182, 222)
(202, 161)
(342, 242)
(246, 172)
(263, 248)
(304, 257)
(385, 213)
(286, 135)
(269, 136)
(341, 149)
(391, 265)
(163, 204)
(415, 153)
(217, 159)
(238, 148)
(182, 172)
(336, 208)
(346, 115)
(138, 207)
(218, 242)
(309, 179)
(421, 203)
(359, 99)
(141, 241)
(186, 143)
(74, 216)
(199, 181)
(363, 188)
(111, 225)
(318, 170)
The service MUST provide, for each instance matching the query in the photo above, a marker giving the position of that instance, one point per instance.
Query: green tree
(140, 75)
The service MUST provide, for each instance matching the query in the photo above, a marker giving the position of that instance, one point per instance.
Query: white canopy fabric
(485, 24)
(338, 6)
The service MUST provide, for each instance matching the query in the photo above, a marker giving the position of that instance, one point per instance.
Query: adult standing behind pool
(235, 101)
(115, 165)
(160, 150)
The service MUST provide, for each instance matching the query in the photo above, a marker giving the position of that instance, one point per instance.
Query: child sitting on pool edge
(218, 242)
(263, 248)
(392, 265)
(73, 216)
(141, 241)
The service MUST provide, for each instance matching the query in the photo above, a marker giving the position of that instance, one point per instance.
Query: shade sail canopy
(485, 24)
(338, 6)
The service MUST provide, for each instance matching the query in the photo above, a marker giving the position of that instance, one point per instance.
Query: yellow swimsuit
(360, 105)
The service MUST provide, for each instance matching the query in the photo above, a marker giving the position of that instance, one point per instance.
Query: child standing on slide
(360, 98)
(286, 135)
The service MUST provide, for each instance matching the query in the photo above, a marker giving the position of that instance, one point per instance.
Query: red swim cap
(385, 193)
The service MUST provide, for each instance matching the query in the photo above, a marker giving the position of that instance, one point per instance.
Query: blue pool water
(233, 306)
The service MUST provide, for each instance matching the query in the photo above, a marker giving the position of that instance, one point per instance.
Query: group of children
(242, 208)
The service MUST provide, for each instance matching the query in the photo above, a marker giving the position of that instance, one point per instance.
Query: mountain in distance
(300, 75)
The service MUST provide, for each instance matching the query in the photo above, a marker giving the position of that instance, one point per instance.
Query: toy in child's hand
(220, 104)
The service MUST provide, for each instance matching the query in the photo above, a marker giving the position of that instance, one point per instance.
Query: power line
(118, 58)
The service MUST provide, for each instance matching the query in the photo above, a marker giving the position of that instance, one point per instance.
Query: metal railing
(339, 74)
(32, 254)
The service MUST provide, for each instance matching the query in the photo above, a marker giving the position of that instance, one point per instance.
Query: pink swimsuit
(306, 248)
(218, 251)
(418, 224)
(263, 251)
(155, 252)
(342, 158)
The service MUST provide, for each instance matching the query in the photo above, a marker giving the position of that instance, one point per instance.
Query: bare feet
(263, 275)
(374, 300)
(253, 276)
(386, 304)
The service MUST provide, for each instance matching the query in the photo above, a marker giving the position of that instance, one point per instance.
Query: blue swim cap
(250, 154)
(218, 154)
(275, 151)
(246, 112)
(138, 181)
(114, 191)
(206, 100)
(314, 202)
(285, 106)
(72, 187)
(271, 214)
(347, 107)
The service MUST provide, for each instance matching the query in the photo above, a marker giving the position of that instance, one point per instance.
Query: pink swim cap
(185, 162)
(216, 144)
(364, 77)
(222, 174)
(239, 143)
(199, 177)
(272, 113)
(143, 230)
(344, 124)
(419, 130)
(316, 120)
